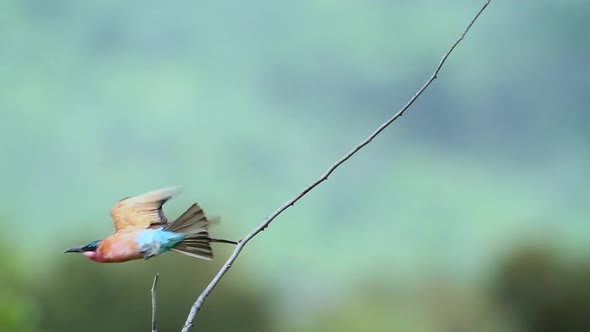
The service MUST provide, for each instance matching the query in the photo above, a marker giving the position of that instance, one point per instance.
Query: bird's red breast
(119, 247)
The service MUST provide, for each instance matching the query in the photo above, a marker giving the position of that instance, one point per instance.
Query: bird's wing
(143, 211)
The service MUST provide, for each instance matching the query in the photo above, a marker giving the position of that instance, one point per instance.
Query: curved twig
(199, 302)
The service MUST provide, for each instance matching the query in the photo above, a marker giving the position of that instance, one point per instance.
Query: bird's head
(88, 250)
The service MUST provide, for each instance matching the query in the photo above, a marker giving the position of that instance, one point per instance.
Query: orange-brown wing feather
(143, 211)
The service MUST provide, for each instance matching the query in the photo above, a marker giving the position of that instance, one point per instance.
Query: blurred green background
(468, 214)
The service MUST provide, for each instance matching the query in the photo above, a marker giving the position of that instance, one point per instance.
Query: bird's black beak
(75, 249)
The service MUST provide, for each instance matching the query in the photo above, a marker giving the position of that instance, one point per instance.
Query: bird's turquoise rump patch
(154, 242)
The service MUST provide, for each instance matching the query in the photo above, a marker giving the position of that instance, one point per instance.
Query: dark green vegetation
(73, 296)
(244, 105)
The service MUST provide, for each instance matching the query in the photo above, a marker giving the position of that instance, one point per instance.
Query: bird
(142, 231)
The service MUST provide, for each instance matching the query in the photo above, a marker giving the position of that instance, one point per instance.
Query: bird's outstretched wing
(143, 211)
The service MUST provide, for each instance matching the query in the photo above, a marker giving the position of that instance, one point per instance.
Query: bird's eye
(90, 247)
(93, 246)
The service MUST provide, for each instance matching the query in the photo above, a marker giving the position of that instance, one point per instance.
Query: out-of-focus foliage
(79, 297)
(18, 307)
(244, 104)
(117, 298)
(544, 292)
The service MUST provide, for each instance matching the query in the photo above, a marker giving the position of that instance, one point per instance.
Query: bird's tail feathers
(194, 224)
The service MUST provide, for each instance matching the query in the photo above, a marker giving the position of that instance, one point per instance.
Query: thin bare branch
(201, 299)
(154, 329)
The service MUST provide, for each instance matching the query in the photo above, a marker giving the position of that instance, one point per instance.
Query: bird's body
(142, 231)
(125, 246)
(119, 247)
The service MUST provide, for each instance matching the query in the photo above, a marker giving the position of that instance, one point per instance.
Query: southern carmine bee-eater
(142, 231)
